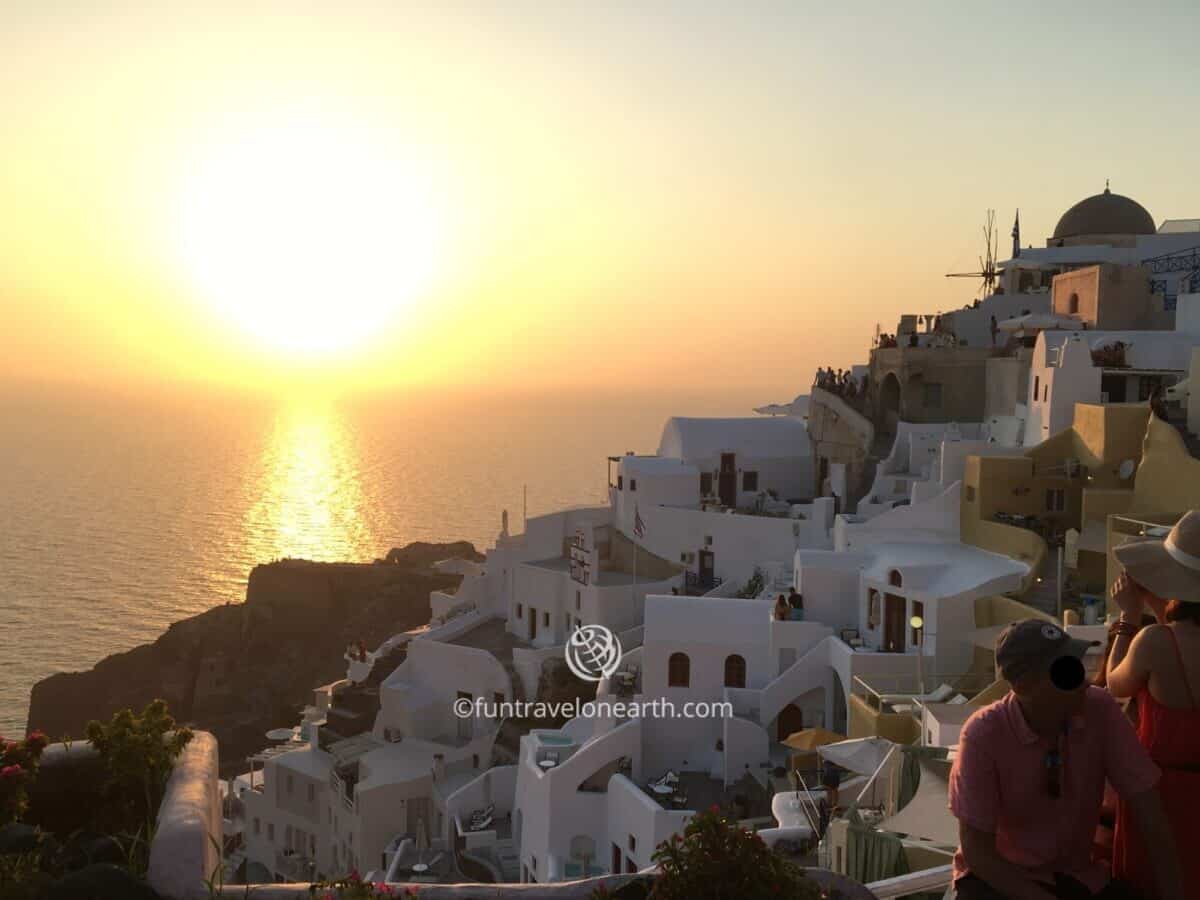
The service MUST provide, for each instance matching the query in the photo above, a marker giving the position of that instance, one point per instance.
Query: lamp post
(918, 625)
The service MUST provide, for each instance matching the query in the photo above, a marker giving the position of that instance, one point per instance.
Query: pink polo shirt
(999, 784)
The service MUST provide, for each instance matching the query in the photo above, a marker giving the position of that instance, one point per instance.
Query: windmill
(987, 263)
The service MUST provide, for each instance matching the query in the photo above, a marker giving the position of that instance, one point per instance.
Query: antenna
(987, 263)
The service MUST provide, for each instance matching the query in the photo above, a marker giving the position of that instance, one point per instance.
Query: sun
(309, 235)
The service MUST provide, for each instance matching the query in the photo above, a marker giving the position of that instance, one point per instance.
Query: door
(465, 724)
(532, 624)
(727, 481)
(789, 722)
(893, 624)
(616, 859)
(707, 567)
(1113, 388)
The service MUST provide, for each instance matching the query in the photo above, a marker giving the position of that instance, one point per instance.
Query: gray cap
(1034, 644)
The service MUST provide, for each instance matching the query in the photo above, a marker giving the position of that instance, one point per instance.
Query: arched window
(679, 670)
(894, 578)
(735, 671)
(1073, 305)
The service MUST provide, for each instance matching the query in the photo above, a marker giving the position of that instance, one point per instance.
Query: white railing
(912, 883)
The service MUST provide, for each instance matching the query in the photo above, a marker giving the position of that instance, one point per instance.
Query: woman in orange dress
(1160, 666)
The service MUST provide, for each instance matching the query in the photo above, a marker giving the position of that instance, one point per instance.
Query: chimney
(439, 766)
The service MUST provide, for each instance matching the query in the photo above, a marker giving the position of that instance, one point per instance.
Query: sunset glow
(308, 235)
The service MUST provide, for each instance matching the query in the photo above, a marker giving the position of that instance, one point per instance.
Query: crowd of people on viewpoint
(843, 383)
(1065, 789)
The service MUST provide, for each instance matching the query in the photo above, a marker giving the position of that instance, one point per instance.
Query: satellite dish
(1126, 470)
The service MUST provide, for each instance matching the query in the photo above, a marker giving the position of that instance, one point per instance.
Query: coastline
(241, 669)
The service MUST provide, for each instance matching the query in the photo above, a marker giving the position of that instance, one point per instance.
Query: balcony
(695, 584)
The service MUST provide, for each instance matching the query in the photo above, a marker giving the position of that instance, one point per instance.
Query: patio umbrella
(861, 756)
(812, 738)
(926, 815)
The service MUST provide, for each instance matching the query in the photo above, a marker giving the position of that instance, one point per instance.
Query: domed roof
(1106, 213)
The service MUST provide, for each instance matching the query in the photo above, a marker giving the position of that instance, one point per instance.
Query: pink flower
(11, 772)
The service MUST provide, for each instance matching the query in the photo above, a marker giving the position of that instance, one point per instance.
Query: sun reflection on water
(311, 500)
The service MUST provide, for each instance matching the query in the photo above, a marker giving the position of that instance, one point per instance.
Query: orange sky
(673, 197)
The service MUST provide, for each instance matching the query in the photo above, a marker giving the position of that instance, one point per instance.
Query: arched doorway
(889, 402)
(790, 721)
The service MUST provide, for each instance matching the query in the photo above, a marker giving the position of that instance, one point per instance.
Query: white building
(1069, 367)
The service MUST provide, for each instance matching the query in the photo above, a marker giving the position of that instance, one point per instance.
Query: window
(894, 578)
(533, 864)
(735, 673)
(708, 540)
(918, 610)
(1037, 383)
(632, 844)
(291, 783)
(931, 395)
(312, 793)
(633, 484)
(546, 619)
(271, 832)
(970, 493)
(474, 760)
(257, 825)
(679, 670)
(749, 481)
(620, 482)
(578, 600)
(705, 483)
(1056, 500)
(520, 611)
(1045, 391)
(1073, 305)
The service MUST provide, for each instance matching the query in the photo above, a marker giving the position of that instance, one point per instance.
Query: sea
(122, 511)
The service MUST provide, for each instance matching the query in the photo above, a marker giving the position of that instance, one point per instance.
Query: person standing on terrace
(1159, 666)
(1028, 780)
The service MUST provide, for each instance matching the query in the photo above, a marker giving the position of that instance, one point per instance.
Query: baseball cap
(1033, 645)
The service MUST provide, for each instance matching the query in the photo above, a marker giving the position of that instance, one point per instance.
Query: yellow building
(1013, 504)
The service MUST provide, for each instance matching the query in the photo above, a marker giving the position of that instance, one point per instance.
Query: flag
(1016, 235)
(639, 527)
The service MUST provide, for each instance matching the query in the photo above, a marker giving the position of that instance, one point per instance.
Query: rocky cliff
(241, 669)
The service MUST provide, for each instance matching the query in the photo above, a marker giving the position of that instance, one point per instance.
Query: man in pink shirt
(1029, 777)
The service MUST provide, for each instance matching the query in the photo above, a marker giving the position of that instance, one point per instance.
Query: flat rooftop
(492, 637)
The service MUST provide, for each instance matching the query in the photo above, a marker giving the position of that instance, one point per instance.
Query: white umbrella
(861, 756)
(927, 815)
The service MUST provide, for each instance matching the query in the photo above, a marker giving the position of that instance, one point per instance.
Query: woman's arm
(1129, 664)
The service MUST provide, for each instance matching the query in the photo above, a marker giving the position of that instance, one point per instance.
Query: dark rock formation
(241, 669)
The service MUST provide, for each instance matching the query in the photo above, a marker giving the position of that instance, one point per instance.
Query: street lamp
(918, 625)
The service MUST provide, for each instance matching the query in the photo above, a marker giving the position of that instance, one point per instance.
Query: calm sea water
(122, 513)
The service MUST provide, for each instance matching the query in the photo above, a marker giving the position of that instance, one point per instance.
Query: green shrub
(137, 753)
(716, 859)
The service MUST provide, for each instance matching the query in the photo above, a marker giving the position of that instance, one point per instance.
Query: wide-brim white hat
(1169, 568)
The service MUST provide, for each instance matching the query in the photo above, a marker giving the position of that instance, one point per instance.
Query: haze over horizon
(687, 197)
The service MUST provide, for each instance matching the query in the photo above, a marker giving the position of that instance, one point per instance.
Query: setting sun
(308, 235)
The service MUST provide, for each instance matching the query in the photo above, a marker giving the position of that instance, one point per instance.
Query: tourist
(781, 609)
(831, 779)
(796, 602)
(1159, 666)
(994, 328)
(1108, 809)
(1028, 779)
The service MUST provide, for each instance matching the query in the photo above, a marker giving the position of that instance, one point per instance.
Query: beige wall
(839, 435)
(863, 721)
(1110, 298)
(961, 372)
